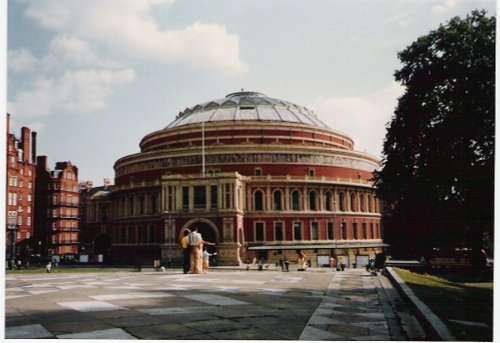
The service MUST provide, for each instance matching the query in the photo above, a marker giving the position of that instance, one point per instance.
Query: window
(296, 200)
(343, 229)
(259, 201)
(154, 204)
(330, 232)
(278, 206)
(259, 231)
(185, 198)
(297, 231)
(151, 234)
(28, 221)
(29, 197)
(141, 204)
(342, 201)
(311, 172)
(314, 231)
(313, 201)
(355, 230)
(200, 197)
(278, 231)
(362, 203)
(213, 196)
(131, 206)
(365, 232)
(372, 230)
(258, 171)
(329, 202)
(353, 202)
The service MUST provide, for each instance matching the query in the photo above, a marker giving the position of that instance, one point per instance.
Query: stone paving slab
(229, 305)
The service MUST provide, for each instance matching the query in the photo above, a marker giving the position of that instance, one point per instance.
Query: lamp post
(334, 232)
(12, 225)
(168, 235)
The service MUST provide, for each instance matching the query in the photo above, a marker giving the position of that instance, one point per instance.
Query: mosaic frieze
(182, 161)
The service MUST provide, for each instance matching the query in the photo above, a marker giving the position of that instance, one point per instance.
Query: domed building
(263, 178)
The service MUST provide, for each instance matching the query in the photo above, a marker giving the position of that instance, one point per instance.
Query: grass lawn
(462, 298)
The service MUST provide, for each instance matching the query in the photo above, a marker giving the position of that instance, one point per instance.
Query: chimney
(33, 147)
(8, 123)
(26, 142)
(41, 162)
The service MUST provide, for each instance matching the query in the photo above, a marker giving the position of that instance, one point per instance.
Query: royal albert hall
(262, 178)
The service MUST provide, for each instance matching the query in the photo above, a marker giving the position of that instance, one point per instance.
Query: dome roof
(247, 106)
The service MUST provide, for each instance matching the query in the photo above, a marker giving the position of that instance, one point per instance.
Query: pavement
(318, 304)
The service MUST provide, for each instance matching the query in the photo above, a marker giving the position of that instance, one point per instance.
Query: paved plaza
(223, 304)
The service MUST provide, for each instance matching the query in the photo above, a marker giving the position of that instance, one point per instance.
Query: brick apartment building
(20, 192)
(57, 209)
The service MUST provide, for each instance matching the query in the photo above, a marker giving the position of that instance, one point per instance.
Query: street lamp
(12, 225)
(168, 235)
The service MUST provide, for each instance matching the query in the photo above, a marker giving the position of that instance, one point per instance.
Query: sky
(94, 77)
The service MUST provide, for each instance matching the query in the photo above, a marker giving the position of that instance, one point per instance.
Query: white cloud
(128, 27)
(21, 60)
(364, 119)
(75, 91)
(447, 6)
(76, 51)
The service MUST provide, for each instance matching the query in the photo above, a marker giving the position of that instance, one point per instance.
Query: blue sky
(94, 77)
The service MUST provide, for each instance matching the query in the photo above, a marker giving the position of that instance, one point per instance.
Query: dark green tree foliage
(437, 175)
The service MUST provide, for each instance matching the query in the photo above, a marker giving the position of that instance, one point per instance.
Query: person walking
(186, 252)
(302, 261)
(206, 259)
(196, 243)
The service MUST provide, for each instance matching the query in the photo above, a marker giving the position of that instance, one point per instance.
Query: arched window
(313, 197)
(259, 201)
(353, 202)
(154, 204)
(329, 202)
(296, 200)
(277, 200)
(342, 201)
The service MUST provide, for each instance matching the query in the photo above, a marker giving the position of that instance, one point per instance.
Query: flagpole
(203, 148)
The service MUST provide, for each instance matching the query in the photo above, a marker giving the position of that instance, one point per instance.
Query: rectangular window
(200, 197)
(365, 232)
(314, 231)
(297, 231)
(355, 230)
(258, 171)
(344, 231)
(214, 196)
(331, 234)
(259, 231)
(278, 231)
(185, 198)
(372, 230)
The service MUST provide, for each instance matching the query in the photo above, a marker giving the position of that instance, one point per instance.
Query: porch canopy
(319, 246)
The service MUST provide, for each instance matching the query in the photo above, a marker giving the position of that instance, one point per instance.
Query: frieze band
(337, 161)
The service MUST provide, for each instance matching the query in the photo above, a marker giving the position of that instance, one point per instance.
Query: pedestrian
(186, 252)
(302, 261)
(196, 242)
(19, 264)
(206, 259)
(287, 265)
(281, 264)
(48, 267)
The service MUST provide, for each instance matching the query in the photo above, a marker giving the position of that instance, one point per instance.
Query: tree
(437, 175)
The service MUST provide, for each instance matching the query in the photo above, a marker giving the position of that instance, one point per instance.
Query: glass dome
(252, 106)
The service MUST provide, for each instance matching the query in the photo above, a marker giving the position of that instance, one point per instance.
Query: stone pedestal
(229, 254)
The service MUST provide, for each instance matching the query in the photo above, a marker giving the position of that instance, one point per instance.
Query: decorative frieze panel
(252, 158)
